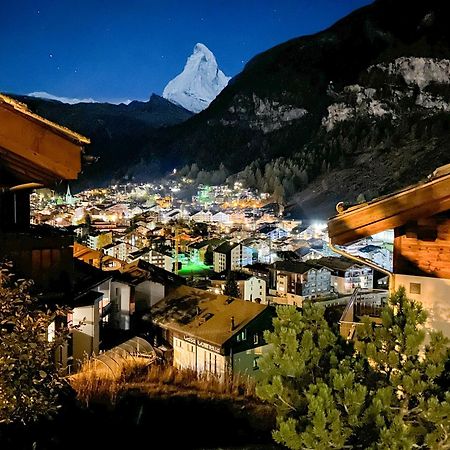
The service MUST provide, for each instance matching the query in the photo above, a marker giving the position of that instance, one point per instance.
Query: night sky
(113, 50)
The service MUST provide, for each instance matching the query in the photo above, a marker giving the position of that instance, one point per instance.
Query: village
(200, 278)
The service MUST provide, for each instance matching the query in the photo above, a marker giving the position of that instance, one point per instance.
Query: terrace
(361, 304)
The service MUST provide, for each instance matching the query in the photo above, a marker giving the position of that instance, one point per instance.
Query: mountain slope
(347, 100)
(119, 133)
(199, 83)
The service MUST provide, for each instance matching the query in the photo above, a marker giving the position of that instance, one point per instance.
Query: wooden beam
(38, 145)
(420, 201)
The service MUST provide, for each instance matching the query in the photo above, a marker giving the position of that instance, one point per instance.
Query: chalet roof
(226, 247)
(138, 271)
(421, 200)
(258, 267)
(34, 149)
(303, 251)
(186, 310)
(335, 263)
(370, 248)
(23, 109)
(267, 229)
(87, 277)
(293, 266)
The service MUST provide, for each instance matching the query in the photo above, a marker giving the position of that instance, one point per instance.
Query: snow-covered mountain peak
(199, 83)
(205, 51)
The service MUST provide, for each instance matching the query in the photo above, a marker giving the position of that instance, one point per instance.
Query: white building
(255, 290)
(119, 250)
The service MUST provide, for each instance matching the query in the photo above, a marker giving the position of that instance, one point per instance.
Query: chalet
(221, 217)
(159, 259)
(135, 288)
(119, 250)
(95, 258)
(420, 218)
(212, 333)
(272, 232)
(307, 253)
(260, 270)
(202, 216)
(295, 281)
(346, 275)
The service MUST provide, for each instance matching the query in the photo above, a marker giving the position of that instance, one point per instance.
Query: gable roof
(421, 200)
(138, 271)
(226, 247)
(184, 310)
(335, 263)
(293, 266)
(35, 149)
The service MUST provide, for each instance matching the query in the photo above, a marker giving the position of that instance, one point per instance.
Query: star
(50, 55)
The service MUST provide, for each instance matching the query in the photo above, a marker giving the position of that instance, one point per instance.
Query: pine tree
(231, 287)
(385, 393)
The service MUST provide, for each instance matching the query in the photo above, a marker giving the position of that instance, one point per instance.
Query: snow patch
(74, 101)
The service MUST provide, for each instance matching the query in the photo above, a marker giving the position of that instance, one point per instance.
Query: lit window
(256, 338)
(242, 336)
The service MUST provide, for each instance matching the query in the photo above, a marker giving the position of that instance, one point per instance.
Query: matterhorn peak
(200, 82)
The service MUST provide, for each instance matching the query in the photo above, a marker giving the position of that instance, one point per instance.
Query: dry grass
(94, 384)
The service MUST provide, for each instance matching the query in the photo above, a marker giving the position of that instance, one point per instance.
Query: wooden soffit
(35, 149)
(415, 202)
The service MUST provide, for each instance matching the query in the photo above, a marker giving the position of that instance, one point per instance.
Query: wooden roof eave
(21, 108)
(35, 149)
(419, 201)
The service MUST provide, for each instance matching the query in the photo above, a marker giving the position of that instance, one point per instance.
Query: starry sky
(114, 50)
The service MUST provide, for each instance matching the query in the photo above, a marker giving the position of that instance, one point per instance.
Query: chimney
(232, 323)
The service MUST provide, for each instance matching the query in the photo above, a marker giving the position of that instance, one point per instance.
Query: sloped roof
(34, 149)
(293, 266)
(138, 271)
(186, 308)
(335, 263)
(23, 109)
(226, 247)
(421, 200)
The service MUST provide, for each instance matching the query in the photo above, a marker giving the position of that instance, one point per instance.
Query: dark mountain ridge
(298, 101)
(118, 132)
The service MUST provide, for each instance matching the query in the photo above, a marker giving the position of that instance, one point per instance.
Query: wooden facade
(422, 247)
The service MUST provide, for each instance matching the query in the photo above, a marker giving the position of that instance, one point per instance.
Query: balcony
(361, 304)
